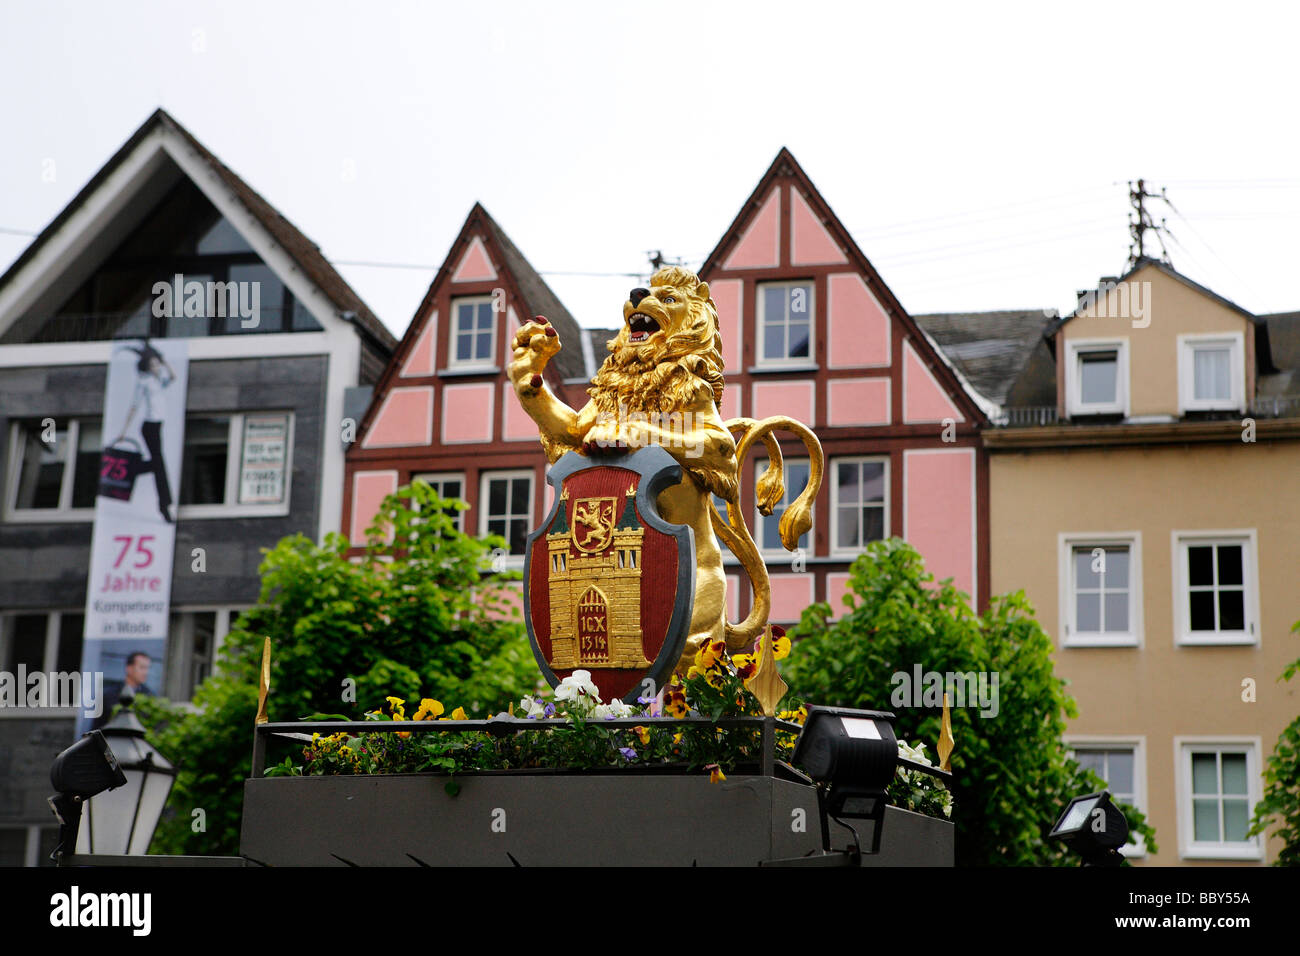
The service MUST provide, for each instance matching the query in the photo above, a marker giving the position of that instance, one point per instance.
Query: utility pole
(658, 260)
(1140, 222)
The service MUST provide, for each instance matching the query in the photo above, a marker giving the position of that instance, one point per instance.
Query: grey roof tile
(990, 349)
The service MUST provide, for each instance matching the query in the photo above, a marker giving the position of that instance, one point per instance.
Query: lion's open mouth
(640, 327)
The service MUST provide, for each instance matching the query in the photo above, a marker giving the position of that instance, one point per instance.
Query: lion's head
(669, 339)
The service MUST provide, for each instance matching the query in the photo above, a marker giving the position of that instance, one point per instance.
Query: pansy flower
(430, 709)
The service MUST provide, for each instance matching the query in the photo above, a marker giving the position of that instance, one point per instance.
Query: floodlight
(853, 755)
(1094, 828)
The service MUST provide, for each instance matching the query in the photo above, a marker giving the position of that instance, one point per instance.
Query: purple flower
(548, 710)
(627, 752)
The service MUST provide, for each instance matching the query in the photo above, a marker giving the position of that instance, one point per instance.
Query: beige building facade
(1152, 517)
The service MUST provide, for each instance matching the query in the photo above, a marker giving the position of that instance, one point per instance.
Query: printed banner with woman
(128, 596)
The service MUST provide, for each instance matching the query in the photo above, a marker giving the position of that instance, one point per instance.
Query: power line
(426, 267)
(889, 227)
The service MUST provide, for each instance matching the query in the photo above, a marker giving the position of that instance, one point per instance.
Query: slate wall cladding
(44, 565)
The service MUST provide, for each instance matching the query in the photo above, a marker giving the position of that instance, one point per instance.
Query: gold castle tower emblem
(594, 576)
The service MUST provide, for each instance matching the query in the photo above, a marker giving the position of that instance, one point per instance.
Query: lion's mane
(668, 378)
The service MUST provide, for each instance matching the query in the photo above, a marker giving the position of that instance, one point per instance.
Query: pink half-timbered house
(809, 330)
(443, 410)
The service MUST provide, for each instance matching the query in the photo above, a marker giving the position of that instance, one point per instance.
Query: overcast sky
(978, 154)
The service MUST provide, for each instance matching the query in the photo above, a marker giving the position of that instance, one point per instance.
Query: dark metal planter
(523, 818)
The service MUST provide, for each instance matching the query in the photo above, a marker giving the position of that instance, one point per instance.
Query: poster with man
(128, 595)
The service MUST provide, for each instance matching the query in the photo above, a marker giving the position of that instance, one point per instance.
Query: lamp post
(122, 820)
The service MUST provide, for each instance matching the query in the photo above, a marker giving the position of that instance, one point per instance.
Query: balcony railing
(1029, 416)
(1025, 416)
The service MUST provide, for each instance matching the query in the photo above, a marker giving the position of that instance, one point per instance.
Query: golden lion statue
(662, 384)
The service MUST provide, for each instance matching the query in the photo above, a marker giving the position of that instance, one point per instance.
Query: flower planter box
(549, 819)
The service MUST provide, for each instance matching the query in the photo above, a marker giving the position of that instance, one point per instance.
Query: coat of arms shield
(608, 583)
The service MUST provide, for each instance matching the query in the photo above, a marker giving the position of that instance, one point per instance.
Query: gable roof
(539, 298)
(1173, 273)
(534, 294)
(305, 254)
(785, 166)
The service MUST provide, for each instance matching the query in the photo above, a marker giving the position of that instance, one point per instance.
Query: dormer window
(1097, 377)
(1211, 373)
(473, 332)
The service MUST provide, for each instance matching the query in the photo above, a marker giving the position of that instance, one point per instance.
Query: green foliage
(413, 612)
(1282, 786)
(1012, 773)
(570, 733)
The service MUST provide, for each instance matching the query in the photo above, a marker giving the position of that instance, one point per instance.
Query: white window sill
(1222, 851)
(1115, 640)
(42, 516)
(187, 513)
(799, 365)
(453, 371)
(1115, 409)
(1217, 639)
(1137, 850)
(191, 512)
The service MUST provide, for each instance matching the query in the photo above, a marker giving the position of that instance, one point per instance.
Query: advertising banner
(128, 595)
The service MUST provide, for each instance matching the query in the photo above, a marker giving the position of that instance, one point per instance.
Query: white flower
(615, 708)
(577, 685)
(916, 753)
(531, 707)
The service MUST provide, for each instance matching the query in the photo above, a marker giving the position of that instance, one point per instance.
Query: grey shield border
(658, 471)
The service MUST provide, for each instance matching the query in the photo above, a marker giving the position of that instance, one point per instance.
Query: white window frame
(432, 477)
(32, 848)
(513, 561)
(234, 462)
(53, 620)
(1188, 847)
(1074, 404)
(777, 549)
(64, 511)
(1136, 848)
(761, 324)
(836, 550)
(1069, 630)
(1187, 345)
(470, 363)
(226, 615)
(1183, 635)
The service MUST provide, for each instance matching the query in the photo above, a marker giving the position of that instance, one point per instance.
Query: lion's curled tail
(795, 522)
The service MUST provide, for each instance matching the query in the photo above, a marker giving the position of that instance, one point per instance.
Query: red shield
(608, 584)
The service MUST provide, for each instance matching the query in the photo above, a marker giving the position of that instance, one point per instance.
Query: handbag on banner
(118, 468)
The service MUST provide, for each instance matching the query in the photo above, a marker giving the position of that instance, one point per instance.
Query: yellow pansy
(711, 655)
(430, 709)
(780, 647)
(459, 714)
(746, 666)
